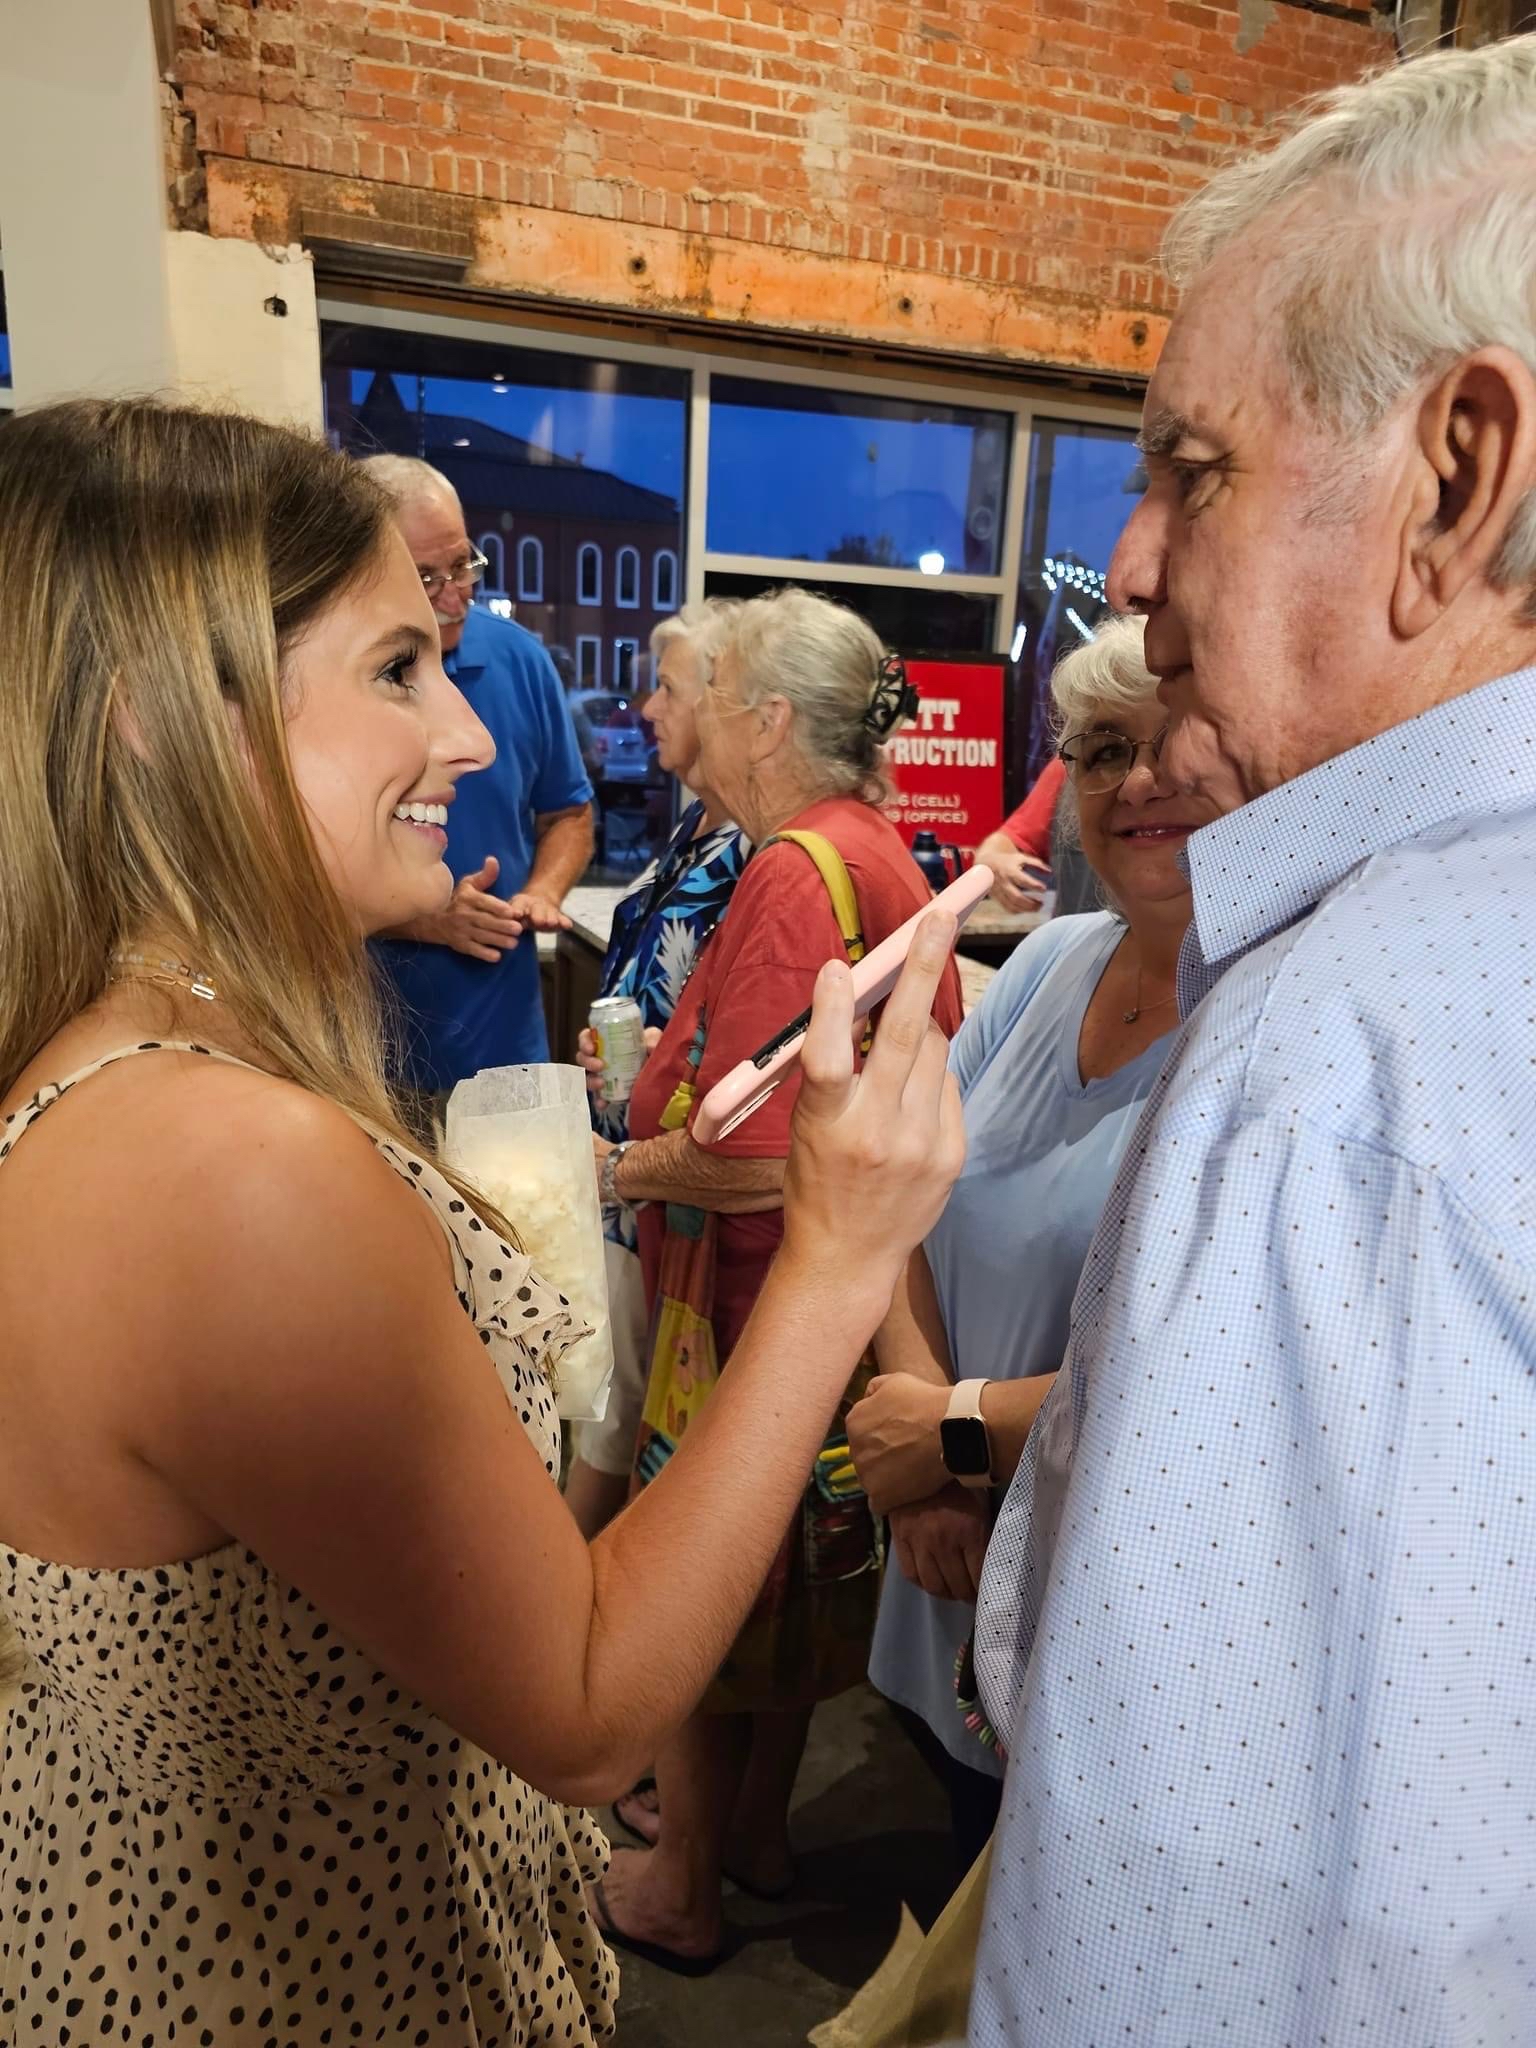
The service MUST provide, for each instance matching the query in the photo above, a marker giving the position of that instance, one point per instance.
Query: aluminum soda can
(618, 1035)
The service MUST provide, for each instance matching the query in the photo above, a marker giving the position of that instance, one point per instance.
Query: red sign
(947, 765)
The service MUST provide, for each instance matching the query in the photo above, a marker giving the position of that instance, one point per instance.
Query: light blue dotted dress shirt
(1258, 1622)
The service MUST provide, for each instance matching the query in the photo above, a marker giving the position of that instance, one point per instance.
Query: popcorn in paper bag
(523, 1135)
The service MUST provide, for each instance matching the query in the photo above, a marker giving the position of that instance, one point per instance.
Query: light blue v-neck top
(1007, 1252)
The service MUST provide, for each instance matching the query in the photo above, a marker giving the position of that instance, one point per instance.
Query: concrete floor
(871, 1836)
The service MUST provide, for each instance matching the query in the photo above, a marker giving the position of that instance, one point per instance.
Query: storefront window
(575, 467)
(1083, 480)
(808, 475)
(573, 471)
(915, 621)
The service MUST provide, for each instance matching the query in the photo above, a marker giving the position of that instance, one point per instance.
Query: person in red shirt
(790, 729)
(1019, 851)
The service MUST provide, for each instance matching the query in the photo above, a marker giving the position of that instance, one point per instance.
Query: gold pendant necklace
(173, 973)
(1130, 1016)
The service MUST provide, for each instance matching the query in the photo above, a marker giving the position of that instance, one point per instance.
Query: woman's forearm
(672, 1168)
(1009, 1408)
(657, 1635)
(894, 1432)
(912, 1337)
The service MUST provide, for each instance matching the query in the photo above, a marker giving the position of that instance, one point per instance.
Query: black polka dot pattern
(220, 1825)
(1256, 1620)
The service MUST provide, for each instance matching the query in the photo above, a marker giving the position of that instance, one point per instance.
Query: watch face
(963, 1443)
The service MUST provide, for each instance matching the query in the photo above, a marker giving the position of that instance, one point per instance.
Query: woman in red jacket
(790, 729)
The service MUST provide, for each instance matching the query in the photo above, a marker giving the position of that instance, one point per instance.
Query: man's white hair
(1409, 237)
(407, 479)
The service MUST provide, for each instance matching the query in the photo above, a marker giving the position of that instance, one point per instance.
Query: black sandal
(650, 1951)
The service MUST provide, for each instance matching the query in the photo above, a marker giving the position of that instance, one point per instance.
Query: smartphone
(748, 1086)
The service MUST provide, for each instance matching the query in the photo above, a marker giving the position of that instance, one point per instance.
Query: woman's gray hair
(1405, 216)
(1108, 674)
(824, 660)
(1104, 677)
(704, 628)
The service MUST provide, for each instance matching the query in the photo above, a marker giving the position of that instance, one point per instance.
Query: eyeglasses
(466, 574)
(1101, 761)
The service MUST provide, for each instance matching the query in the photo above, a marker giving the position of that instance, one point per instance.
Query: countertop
(590, 909)
(591, 912)
(990, 921)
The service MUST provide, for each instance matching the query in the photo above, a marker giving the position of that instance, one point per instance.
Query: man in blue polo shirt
(519, 833)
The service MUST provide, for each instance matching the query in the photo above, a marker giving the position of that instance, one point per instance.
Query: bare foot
(642, 1907)
(640, 1811)
(763, 1865)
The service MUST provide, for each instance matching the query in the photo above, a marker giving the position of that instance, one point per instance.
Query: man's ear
(1476, 446)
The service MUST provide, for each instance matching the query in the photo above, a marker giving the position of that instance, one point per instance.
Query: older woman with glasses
(1053, 1068)
(660, 928)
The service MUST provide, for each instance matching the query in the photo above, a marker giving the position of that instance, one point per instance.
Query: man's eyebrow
(1163, 432)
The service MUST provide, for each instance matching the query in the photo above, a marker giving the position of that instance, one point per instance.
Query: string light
(1075, 575)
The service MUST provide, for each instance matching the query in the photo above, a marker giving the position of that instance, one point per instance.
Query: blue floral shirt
(660, 927)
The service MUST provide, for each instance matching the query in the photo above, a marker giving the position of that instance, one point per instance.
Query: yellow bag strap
(833, 870)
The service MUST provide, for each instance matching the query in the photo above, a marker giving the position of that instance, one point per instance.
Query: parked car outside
(615, 741)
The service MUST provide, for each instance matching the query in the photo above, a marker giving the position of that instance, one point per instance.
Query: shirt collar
(466, 660)
(1258, 869)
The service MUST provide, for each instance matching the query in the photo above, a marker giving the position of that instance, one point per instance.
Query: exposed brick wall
(981, 176)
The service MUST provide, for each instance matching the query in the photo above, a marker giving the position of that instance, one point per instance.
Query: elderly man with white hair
(1263, 1661)
(519, 833)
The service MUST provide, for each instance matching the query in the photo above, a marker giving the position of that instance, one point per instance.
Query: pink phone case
(748, 1086)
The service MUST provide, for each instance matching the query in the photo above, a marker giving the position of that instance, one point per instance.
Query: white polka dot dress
(220, 1825)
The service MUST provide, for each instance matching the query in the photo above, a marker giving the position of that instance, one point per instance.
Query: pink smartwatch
(963, 1441)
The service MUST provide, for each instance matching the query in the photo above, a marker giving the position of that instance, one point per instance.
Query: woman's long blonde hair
(156, 563)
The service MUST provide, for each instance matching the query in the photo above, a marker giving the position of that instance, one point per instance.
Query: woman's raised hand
(873, 1156)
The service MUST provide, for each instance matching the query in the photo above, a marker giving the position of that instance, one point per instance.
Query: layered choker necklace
(169, 973)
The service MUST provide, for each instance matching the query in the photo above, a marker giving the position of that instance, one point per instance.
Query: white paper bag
(524, 1136)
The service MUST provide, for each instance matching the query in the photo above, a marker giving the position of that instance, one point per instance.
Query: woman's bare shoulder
(196, 1235)
(172, 1145)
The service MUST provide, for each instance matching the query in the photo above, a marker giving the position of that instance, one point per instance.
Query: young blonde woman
(314, 1654)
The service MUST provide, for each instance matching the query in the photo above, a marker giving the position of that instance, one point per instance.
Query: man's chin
(1195, 762)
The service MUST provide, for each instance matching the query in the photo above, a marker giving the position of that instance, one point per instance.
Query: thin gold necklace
(173, 973)
(1130, 1016)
